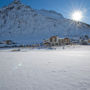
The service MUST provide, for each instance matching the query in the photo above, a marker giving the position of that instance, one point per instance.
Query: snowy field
(60, 69)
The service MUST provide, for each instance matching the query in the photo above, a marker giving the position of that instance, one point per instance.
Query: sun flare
(77, 15)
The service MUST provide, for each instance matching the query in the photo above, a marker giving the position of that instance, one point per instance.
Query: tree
(86, 37)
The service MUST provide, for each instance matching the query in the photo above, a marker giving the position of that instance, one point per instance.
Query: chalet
(56, 41)
(85, 41)
(75, 41)
(89, 42)
(66, 41)
(52, 41)
(8, 42)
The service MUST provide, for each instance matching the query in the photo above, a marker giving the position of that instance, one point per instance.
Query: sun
(77, 15)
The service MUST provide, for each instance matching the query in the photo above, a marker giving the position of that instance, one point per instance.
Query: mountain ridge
(25, 25)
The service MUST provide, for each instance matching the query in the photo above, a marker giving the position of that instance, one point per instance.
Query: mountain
(24, 25)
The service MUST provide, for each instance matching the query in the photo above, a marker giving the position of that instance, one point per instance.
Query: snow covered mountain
(22, 24)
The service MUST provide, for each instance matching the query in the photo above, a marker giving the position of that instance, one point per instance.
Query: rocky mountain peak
(17, 1)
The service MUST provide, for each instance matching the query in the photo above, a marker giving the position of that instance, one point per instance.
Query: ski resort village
(50, 42)
(21, 25)
(42, 49)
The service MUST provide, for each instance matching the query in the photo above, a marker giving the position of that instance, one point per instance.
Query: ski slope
(60, 69)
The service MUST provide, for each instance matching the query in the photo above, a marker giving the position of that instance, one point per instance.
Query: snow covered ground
(60, 69)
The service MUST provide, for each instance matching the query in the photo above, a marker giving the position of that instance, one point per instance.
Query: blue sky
(65, 7)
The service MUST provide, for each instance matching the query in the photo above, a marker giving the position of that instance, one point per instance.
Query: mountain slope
(22, 24)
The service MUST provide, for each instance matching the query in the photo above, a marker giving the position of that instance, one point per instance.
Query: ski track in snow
(67, 69)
